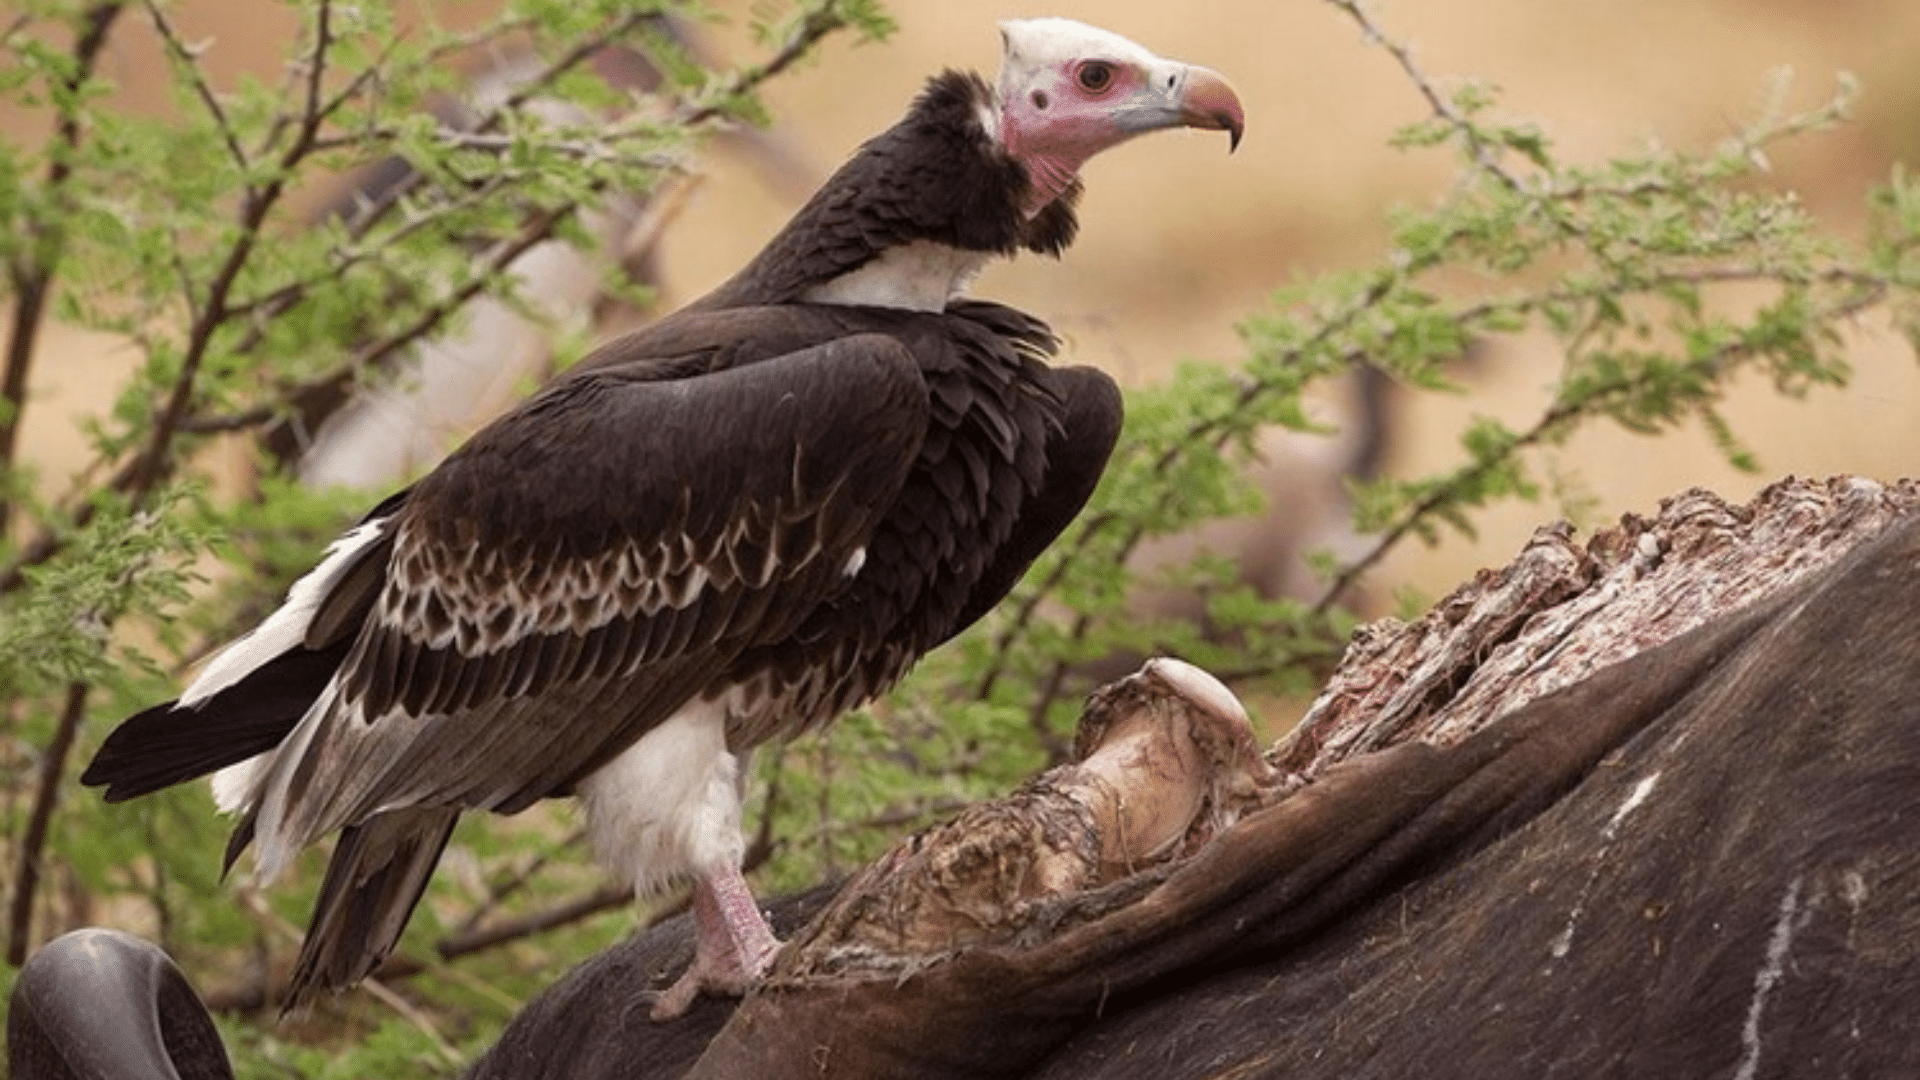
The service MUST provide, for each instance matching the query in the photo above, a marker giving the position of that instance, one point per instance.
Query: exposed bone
(1166, 758)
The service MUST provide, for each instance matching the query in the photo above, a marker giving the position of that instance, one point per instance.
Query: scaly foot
(733, 945)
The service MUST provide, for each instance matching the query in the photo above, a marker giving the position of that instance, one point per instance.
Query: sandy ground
(1180, 240)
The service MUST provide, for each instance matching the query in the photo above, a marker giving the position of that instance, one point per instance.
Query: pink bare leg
(733, 945)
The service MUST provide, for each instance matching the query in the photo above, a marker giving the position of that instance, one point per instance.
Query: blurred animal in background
(412, 409)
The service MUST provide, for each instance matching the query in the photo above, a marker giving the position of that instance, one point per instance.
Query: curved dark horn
(103, 1005)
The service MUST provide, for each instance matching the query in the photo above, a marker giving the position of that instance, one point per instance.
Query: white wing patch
(233, 786)
(284, 629)
(245, 786)
(260, 783)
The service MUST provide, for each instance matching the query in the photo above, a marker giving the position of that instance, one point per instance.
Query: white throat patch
(921, 276)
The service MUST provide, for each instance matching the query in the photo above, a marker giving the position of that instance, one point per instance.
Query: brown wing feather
(557, 587)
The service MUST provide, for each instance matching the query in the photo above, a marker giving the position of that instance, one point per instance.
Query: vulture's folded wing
(581, 568)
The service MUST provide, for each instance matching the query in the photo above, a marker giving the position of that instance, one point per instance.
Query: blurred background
(1180, 241)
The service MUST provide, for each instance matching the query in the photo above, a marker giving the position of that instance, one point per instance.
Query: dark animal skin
(1697, 862)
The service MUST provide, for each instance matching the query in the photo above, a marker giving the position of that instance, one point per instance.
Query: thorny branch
(147, 467)
(1554, 195)
(31, 271)
(186, 60)
(1486, 153)
(211, 306)
(1555, 421)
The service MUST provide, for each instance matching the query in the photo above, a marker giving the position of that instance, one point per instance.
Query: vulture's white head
(1068, 91)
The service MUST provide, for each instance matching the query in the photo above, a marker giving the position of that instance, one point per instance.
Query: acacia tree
(183, 235)
(180, 235)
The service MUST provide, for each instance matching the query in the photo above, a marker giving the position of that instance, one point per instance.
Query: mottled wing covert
(583, 566)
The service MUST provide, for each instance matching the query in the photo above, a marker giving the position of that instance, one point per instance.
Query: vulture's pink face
(1068, 91)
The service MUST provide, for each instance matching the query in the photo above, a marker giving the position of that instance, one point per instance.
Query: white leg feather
(669, 805)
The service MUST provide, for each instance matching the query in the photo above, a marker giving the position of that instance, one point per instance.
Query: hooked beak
(1185, 95)
(1206, 101)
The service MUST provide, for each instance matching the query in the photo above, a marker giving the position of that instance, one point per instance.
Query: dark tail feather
(238, 842)
(167, 745)
(376, 876)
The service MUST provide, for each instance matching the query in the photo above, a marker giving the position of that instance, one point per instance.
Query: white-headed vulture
(728, 527)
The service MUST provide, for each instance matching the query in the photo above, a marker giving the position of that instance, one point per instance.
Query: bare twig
(479, 938)
(514, 881)
(423, 1023)
(1552, 423)
(316, 74)
(1209, 434)
(140, 473)
(256, 997)
(186, 59)
(1485, 153)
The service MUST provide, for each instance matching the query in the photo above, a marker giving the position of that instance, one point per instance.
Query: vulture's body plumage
(729, 527)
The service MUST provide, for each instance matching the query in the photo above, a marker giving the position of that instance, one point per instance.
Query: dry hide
(1638, 806)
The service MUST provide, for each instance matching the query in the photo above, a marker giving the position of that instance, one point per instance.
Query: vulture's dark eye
(1096, 76)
